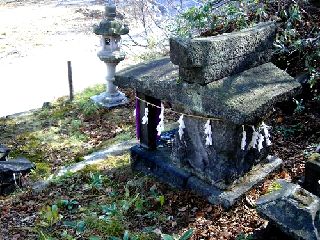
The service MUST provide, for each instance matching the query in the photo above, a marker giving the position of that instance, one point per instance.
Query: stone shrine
(223, 80)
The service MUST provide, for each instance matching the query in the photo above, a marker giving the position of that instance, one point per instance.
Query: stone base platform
(110, 100)
(158, 164)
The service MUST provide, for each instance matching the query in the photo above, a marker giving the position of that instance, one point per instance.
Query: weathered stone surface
(4, 152)
(114, 57)
(159, 164)
(20, 165)
(312, 176)
(206, 74)
(242, 98)
(221, 163)
(204, 60)
(238, 188)
(243, 184)
(292, 209)
(110, 26)
(199, 52)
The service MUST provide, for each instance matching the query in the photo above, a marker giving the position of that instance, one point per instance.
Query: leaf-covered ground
(109, 200)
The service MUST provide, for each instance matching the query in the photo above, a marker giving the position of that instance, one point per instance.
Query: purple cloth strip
(158, 111)
(138, 121)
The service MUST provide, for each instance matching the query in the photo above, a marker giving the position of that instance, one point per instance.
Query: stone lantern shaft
(110, 30)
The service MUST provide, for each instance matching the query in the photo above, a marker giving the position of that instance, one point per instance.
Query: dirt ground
(27, 27)
(37, 38)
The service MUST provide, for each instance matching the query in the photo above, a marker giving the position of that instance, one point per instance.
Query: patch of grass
(49, 215)
(314, 157)
(274, 187)
(112, 227)
(144, 236)
(85, 95)
(64, 132)
(61, 134)
(243, 236)
(187, 235)
(90, 168)
(126, 135)
(289, 131)
(149, 55)
(42, 171)
(108, 210)
(118, 161)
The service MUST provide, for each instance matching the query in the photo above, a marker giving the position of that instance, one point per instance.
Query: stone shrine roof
(243, 98)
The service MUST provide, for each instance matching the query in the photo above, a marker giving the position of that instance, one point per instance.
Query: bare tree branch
(135, 42)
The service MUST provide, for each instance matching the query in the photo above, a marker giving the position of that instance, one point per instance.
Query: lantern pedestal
(112, 97)
(110, 100)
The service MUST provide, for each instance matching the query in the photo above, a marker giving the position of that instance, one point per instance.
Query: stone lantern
(110, 31)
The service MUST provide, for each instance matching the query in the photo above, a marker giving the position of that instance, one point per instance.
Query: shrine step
(157, 163)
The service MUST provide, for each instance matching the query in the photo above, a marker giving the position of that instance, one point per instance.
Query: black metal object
(167, 138)
(11, 172)
(71, 95)
(4, 152)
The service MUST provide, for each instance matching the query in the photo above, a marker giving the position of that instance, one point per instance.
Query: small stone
(40, 186)
(46, 105)
(293, 210)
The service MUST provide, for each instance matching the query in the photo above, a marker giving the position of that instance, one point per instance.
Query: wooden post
(70, 81)
(148, 132)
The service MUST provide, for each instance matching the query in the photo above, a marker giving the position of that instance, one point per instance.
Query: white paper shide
(181, 126)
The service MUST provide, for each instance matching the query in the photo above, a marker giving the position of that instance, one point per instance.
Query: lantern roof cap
(110, 26)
